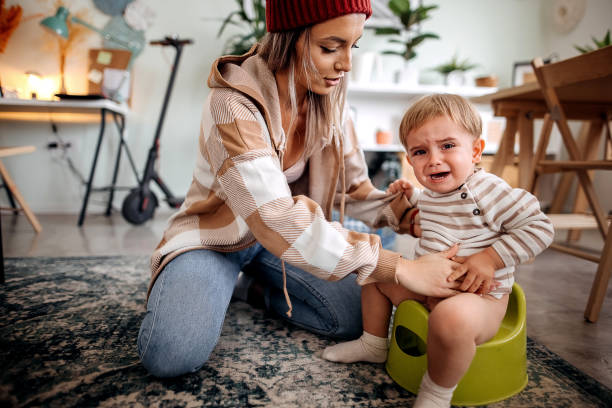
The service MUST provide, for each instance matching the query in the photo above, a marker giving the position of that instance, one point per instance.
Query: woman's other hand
(428, 275)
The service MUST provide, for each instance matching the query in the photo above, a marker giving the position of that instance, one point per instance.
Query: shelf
(382, 147)
(388, 89)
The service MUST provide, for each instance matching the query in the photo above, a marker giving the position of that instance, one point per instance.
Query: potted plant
(407, 33)
(454, 70)
(251, 15)
(604, 42)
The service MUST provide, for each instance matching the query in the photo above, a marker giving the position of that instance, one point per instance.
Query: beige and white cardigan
(239, 194)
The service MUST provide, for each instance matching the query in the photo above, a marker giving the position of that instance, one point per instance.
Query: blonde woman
(276, 154)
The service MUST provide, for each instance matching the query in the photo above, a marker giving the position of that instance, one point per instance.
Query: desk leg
(526, 149)
(117, 161)
(505, 151)
(93, 167)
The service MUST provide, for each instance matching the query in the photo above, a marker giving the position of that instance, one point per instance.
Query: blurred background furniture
(12, 191)
(569, 86)
(84, 105)
(578, 88)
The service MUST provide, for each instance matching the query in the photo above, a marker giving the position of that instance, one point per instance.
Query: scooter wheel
(137, 207)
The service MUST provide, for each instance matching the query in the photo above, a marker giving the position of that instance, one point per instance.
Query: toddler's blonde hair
(457, 108)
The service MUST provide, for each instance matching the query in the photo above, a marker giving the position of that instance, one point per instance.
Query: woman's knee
(166, 354)
(185, 313)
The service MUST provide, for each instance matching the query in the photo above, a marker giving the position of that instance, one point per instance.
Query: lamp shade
(57, 23)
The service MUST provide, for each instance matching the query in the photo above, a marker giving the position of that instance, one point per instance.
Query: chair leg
(600, 283)
(589, 152)
(15, 192)
(540, 152)
(1, 255)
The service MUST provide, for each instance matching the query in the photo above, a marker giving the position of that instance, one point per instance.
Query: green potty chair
(499, 368)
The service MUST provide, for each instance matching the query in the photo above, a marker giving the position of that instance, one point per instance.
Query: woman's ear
(477, 150)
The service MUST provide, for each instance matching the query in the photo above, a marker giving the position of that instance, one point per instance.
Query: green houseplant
(454, 65)
(408, 35)
(604, 42)
(251, 18)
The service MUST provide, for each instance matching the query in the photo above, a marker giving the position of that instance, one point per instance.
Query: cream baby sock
(368, 348)
(431, 395)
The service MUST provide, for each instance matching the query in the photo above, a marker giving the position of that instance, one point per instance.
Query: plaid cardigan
(239, 194)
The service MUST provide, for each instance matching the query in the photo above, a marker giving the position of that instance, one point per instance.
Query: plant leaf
(387, 31)
(227, 21)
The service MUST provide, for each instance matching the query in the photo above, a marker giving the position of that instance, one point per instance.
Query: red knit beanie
(283, 15)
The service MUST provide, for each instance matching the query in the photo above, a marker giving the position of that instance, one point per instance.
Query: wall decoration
(138, 15)
(9, 20)
(568, 13)
(112, 7)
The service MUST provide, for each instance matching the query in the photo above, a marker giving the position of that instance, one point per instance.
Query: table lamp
(57, 25)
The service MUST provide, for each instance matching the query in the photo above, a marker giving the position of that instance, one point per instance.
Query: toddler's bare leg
(456, 326)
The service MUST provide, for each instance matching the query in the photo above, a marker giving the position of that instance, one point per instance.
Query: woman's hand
(428, 275)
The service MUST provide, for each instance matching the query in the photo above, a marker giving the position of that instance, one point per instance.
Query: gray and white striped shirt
(484, 212)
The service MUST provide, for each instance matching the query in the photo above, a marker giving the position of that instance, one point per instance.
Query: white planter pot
(408, 75)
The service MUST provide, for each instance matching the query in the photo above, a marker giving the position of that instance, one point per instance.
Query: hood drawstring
(285, 290)
(343, 178)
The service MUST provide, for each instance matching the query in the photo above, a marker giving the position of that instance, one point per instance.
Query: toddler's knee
(449, 324)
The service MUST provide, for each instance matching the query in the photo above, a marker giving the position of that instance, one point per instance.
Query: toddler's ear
(477, 150)
(408, 158)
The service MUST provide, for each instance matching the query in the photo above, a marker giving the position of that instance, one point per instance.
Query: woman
(276, 153)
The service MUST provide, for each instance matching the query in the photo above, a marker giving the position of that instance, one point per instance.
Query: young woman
(277, 152)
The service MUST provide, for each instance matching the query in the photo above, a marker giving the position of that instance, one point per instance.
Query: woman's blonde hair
(324, 112)
(457, 108)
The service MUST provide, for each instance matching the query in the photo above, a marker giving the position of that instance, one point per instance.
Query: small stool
(11, 187)
(499, 368)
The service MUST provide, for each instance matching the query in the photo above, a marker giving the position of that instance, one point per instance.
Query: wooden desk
(100, 107)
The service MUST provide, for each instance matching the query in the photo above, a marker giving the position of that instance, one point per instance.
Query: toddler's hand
(402, 185)
(480, 274)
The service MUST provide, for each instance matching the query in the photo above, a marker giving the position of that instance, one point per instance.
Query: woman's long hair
(324, 112)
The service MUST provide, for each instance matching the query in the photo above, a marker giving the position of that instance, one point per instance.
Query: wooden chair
(12, 190)
(582, 84)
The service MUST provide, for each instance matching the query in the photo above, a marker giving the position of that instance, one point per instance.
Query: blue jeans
(189, 299)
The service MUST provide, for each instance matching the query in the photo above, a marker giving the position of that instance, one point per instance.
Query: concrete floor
(556, 285)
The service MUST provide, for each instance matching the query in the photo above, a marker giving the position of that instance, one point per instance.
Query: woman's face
(331, 46)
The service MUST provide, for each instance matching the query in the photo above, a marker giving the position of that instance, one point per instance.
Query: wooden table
(521, 105)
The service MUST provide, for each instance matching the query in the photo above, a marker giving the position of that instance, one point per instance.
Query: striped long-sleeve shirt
(239, 194)
(484, 212)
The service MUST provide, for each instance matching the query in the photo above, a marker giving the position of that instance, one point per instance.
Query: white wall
(492, 33)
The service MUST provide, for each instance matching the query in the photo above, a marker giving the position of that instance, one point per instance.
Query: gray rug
(68, 339)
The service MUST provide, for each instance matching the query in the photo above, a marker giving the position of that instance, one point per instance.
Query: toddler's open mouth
(439, 176)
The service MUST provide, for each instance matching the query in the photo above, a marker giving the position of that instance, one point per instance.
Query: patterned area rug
(68, 339)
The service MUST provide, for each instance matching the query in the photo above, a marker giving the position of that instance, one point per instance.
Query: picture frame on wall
(522, 73)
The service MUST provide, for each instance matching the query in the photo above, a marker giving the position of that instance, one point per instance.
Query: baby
(496, 226)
